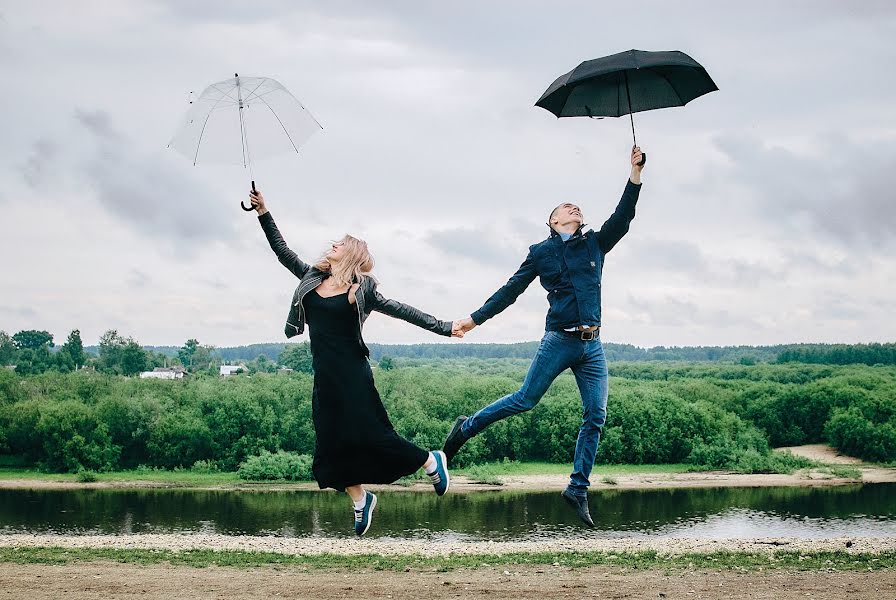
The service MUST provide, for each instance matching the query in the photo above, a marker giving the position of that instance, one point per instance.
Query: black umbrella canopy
(625, 83)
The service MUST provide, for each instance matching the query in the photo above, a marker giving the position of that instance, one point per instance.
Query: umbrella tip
(236, 74)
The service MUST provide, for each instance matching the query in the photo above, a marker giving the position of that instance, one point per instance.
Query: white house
(164, 373)
(227, 370)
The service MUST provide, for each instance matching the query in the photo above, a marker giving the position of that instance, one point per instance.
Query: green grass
(181, 478)
(805, 561)
(187, 478)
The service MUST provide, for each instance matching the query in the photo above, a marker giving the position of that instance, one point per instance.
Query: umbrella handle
(643, 159)
(243, 204)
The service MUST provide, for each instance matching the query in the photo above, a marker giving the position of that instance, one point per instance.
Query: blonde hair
(356, 264)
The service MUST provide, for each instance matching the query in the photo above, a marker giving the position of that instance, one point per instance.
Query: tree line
(707, 414)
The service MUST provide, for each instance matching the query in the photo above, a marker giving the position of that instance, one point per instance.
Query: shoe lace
(359, 515)
(435, 478)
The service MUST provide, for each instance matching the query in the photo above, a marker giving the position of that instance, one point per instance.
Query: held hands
(636, 168)
(462, 326)
(257, 201)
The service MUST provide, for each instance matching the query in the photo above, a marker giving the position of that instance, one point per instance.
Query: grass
(187, 478)
(801, 561)
(842, 471)
(184, 478)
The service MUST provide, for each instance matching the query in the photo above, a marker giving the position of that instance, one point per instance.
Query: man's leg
(592, 378)
(555, 354)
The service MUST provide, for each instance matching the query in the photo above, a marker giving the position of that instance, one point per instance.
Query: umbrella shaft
(628, 97)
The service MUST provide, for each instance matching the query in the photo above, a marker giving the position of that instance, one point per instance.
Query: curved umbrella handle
(243, 204)
(643, 159)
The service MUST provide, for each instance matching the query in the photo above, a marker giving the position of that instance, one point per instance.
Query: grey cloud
(480, 245)
(675, 312)
(138, 278)
(38, 165)
(844, 191)
(19, 311)
(689, 259)
(151, 197)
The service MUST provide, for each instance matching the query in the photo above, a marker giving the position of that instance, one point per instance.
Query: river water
(706, 513)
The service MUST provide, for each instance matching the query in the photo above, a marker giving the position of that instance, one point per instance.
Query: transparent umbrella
(239, 120)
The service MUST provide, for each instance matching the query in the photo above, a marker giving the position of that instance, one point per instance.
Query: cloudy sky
(767, 213)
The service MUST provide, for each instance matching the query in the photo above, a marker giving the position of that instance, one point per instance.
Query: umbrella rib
(663, 75)
(201, 133)
(276, 116)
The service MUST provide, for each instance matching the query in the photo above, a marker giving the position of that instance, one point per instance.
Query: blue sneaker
(440, 479)
(364, 516)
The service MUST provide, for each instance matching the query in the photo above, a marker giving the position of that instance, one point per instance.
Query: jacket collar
(577, 233)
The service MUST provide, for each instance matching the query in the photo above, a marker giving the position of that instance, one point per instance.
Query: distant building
(284, 370)
(164, 373)
(11, 367)
(227, 370)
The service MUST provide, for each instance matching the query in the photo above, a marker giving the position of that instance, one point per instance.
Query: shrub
(204, 466)
(86, 476)
(484, 473)
(268, 466)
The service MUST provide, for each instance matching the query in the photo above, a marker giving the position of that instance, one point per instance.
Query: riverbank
(831, 469)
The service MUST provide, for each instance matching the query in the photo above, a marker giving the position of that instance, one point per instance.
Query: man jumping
(569, 265)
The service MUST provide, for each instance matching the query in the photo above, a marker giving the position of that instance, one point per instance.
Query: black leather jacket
(367, 298)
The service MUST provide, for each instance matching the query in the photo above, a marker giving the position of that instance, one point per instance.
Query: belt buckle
(587, 336)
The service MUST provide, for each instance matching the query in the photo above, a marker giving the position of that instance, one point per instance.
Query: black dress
(356, 442)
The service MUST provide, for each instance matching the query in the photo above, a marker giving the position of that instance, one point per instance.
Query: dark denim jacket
(570, 271)
(367, 298)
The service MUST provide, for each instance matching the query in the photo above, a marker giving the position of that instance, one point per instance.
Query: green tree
(262, 364)
(386, 363)
(206, 357)
(111, 346)
(297, 357)
(34, 361)
(133, 358)
(32, 339)
(8, 351)
(74, 348)
(187, 352)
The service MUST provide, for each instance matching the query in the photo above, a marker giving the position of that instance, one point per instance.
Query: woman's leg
(356, 492)
(436, 468)
(364, 503)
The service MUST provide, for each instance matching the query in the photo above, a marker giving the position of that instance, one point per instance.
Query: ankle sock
(360, 504)
(430, 470)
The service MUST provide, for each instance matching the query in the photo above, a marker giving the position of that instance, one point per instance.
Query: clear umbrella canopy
(243, 119)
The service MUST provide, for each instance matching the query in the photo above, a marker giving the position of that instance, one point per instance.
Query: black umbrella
(626, 83)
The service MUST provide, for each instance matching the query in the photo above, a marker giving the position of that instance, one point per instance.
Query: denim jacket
(569, 271)
(367, 298)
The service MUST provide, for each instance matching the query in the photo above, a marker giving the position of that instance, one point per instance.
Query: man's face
(565, 214)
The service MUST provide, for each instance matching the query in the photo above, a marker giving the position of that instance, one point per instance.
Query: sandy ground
(109, 580)
(460, 484)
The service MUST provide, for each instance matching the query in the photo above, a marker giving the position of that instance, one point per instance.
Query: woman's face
(336, 252)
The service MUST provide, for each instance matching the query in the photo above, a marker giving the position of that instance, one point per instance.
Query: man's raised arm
(617, 225)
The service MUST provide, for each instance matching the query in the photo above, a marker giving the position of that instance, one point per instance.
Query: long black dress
(356, 442)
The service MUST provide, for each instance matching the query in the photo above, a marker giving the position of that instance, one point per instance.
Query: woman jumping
(356, 443)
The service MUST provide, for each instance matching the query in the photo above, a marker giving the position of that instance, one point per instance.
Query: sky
(767, 213)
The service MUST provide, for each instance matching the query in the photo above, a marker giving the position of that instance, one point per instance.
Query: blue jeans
(556, 353)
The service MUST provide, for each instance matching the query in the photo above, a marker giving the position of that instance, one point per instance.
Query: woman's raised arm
(287, 257)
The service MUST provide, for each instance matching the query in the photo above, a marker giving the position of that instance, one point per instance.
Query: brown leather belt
(586, 333)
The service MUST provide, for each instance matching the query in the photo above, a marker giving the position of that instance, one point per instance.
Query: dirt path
(111, 580)
(461, 484)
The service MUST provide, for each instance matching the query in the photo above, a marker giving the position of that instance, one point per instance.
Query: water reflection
(866, 510)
